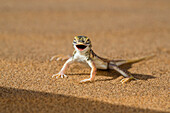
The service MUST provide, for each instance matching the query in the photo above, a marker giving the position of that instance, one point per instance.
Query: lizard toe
(125, 80)
(59, 75)
(59, 59)
(55, 75)
(86, 80)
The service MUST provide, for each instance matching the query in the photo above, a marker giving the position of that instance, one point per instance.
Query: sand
(31, 32)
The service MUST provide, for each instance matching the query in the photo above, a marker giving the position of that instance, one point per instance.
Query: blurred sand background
(32, 31)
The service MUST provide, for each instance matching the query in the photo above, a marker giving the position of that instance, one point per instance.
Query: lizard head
(82, 43)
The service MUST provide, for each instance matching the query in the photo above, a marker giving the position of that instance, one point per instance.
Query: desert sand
(32, 31)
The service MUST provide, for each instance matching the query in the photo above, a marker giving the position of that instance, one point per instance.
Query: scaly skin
(84, 53)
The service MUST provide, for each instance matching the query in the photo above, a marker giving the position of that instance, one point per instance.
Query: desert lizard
(83, 53)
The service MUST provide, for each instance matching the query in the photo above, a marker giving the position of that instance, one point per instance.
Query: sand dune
(31, 32)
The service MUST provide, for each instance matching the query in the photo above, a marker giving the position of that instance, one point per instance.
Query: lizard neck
(90, 54)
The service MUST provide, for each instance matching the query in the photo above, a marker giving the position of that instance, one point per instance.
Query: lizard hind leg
(127, 78)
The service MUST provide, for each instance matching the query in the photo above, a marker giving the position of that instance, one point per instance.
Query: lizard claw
(59, 75)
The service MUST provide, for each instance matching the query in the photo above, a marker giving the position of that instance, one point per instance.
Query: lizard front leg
(62, 71)
(128, 77)
(92, 74)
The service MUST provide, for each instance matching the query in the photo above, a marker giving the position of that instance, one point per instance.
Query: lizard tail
(122, 62)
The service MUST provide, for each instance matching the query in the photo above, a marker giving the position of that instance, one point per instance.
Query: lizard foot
(60, 58)
(59, 75)
(86, 80)
(125, 80)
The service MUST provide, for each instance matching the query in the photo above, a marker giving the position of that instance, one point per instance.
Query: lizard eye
(74, 41)
(88, 41)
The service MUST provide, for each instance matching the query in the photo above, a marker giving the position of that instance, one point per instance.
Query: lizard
(83, 53)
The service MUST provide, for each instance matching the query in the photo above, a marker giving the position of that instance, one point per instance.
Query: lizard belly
(100, 64)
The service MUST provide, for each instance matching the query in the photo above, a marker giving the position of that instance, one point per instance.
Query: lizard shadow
(114, 74)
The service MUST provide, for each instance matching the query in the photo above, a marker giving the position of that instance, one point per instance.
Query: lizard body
(83, 53)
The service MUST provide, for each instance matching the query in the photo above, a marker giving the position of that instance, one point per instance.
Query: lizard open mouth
(81, 47)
